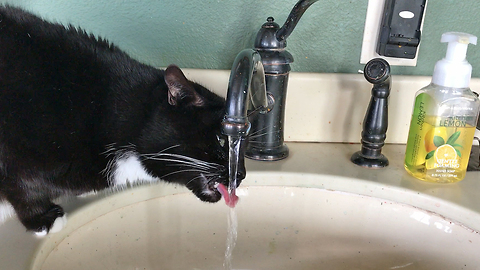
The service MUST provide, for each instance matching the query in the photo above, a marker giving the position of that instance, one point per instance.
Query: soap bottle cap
(454, 70)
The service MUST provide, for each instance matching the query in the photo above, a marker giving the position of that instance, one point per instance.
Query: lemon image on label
(445, 154)
(434, 138)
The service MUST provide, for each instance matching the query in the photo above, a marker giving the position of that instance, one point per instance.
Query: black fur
(71, 104)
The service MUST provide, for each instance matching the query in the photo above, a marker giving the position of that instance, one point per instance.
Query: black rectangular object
(400, 28)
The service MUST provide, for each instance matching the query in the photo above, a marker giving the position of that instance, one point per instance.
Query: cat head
(183, 142)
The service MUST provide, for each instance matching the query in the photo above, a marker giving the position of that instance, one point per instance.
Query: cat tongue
(231, 199)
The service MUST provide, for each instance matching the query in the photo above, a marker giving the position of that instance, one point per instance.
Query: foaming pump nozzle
(454, 70)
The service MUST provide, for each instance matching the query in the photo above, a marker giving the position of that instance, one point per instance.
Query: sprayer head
(454, 70)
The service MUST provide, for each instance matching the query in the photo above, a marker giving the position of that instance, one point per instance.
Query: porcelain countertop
(458, 201)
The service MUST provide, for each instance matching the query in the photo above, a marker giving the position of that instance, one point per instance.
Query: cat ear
(180, 90)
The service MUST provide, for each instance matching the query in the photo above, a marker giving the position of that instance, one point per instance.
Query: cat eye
(221, 140)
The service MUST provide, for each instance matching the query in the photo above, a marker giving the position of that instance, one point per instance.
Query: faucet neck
(246, 91)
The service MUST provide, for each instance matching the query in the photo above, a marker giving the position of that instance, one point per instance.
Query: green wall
(208, 34)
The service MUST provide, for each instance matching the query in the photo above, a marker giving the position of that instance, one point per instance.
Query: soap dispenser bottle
(444, 117)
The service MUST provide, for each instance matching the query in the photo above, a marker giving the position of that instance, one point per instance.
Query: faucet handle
(271, 36)
(293, 18)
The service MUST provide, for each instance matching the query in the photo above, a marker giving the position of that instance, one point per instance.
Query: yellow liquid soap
(439, 154)
(444, 117)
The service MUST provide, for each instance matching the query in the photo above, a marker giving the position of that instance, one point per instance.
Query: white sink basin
(279, 228)
(286, 220)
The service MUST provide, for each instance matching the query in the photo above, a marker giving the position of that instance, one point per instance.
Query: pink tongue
(230, 199)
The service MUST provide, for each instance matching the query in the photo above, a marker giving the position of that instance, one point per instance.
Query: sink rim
(398, 232)
(103, 203)
(287, 180)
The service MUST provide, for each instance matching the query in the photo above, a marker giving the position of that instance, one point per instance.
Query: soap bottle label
(438, 147)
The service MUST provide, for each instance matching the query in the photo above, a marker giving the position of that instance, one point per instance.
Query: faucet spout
(246, 92)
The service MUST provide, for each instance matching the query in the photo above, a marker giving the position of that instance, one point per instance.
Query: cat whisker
(181, 163)
(181, 158)
(111, 149)
(191, 165)
(258, 131)
(181, 171)
(259, 135)
(255, 142)
(197, 161)
(195, 178)
(207, 177)
(169, 148)
(205, 164)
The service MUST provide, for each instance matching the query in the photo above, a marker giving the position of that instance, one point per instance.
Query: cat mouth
(214, 190)
(217, 190)
(230, 198)
(207, 189)
(213, 186)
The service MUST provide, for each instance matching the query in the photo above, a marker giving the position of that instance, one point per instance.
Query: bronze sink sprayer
(377, 72)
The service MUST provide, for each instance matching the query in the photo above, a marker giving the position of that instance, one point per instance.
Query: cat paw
(58, 225)
(52, 221)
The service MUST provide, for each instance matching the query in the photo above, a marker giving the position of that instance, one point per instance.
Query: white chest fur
(6, 211)
(128, 169)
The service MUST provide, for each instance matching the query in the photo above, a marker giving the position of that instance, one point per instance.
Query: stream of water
(232, 222)
(233, 158)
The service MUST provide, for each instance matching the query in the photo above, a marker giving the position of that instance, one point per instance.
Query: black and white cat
(79, 115)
